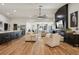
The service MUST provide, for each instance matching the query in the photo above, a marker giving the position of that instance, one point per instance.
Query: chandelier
(40, 16)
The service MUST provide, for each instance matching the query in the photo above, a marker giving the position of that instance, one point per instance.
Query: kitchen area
(6, 33)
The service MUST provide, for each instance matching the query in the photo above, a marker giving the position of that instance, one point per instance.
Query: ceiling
(28, 10)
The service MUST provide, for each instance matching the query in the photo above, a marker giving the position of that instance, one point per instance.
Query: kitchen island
(6, 36)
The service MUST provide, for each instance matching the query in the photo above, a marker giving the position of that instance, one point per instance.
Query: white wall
(18, 22)
(3, 19)
(72, 8)
(24, 21)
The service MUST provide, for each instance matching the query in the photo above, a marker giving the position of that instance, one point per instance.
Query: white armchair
(30, 37)
(54, 40)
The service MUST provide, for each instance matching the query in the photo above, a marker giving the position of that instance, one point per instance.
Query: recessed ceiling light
(2, 4)
(14, 10)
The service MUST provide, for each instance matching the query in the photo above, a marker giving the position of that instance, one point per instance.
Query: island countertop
(9, 31)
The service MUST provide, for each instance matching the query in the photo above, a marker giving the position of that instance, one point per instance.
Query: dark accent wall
(63, 11)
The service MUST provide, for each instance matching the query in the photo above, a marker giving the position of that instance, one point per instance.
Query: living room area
(39, 29)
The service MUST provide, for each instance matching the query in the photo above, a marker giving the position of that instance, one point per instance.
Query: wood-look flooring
(20, 47)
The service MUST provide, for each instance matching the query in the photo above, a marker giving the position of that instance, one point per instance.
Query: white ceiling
(27, 10)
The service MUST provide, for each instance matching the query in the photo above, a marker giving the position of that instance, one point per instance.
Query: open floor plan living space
(39, 29)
